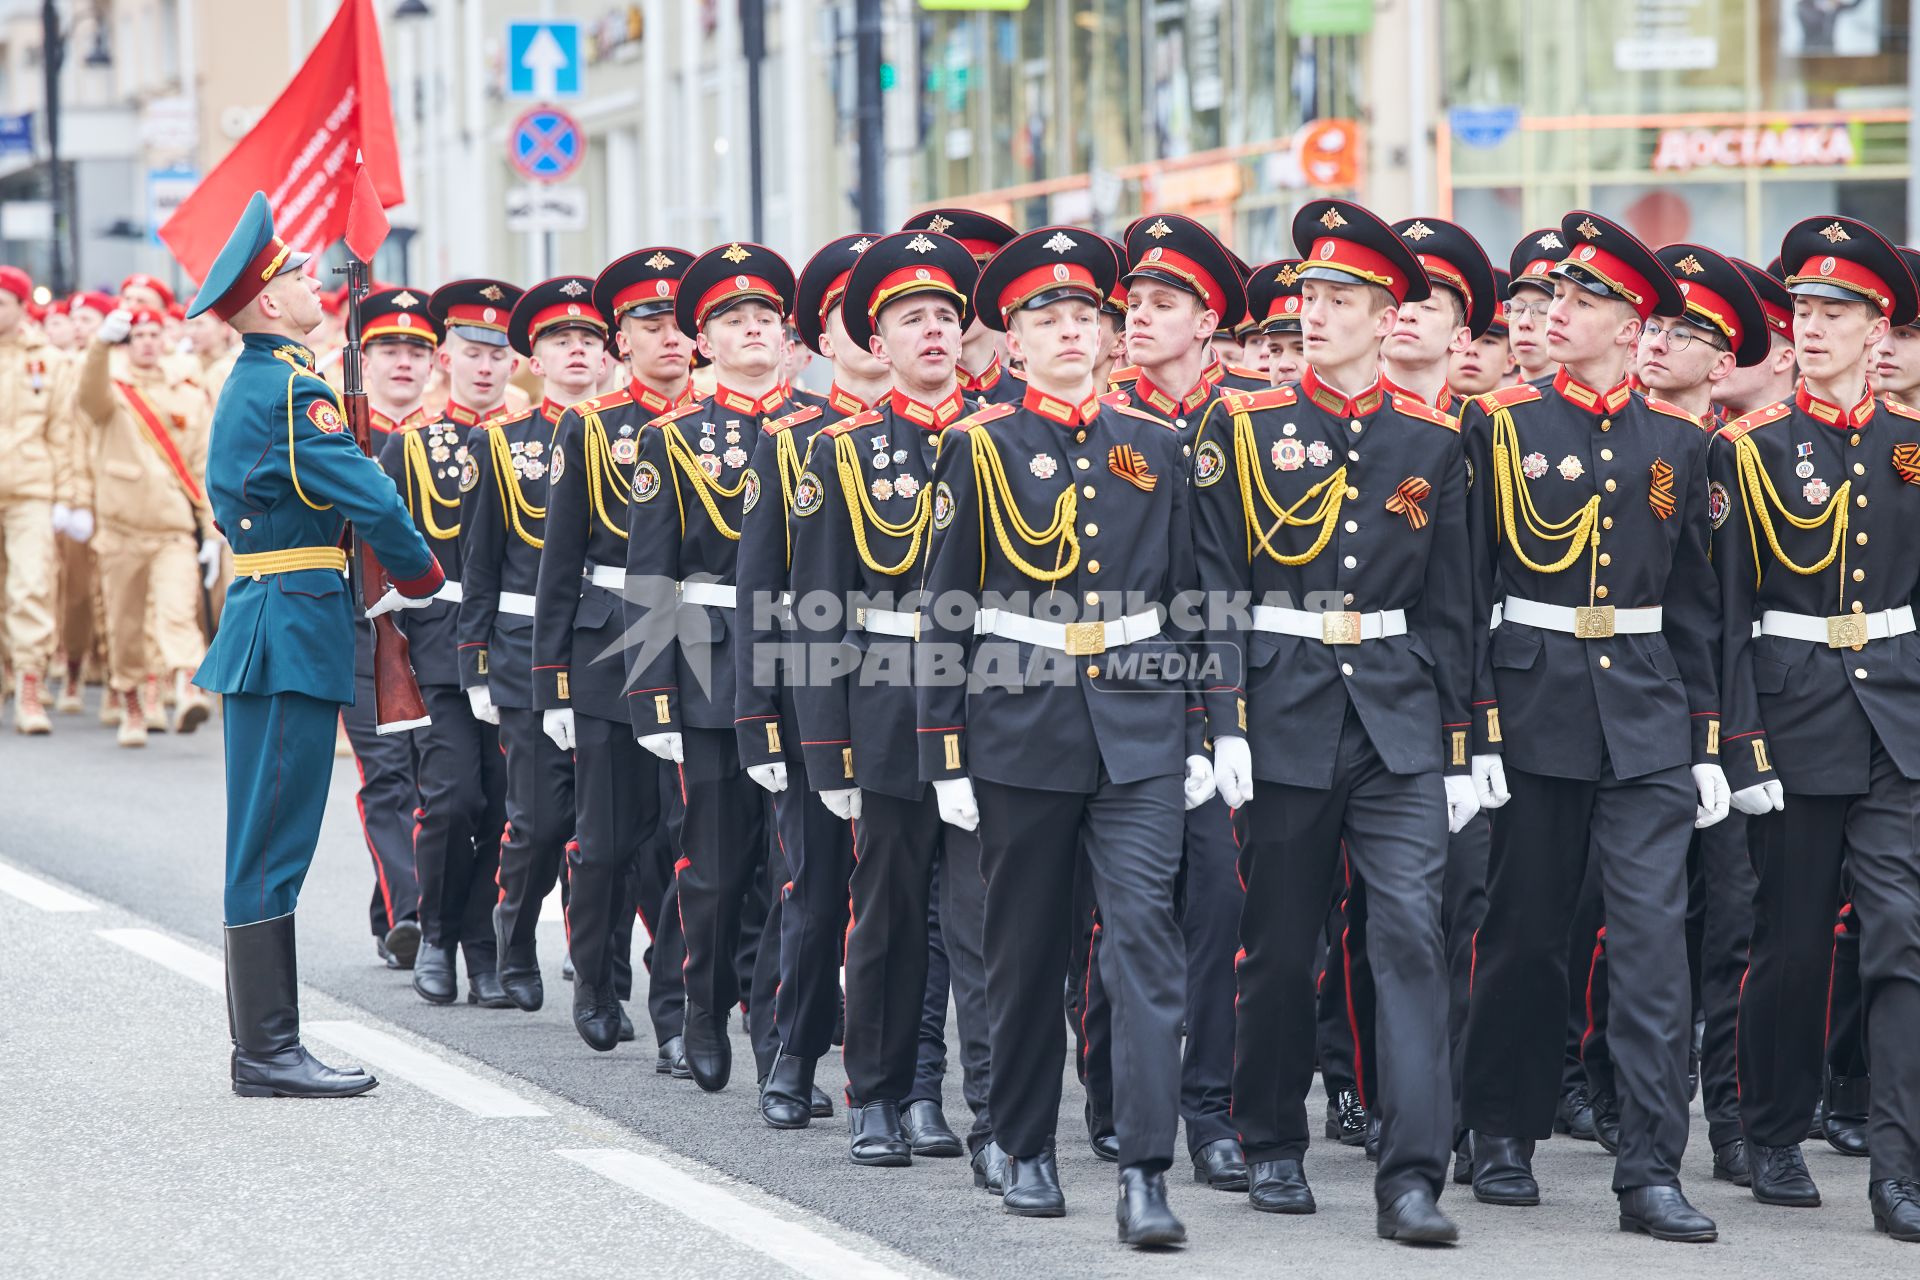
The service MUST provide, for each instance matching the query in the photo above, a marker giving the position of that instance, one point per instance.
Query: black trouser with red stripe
(616, 815)
(1846, 1012)
(816, 860)
(657, 901)
(723, 846)
(1798, 854)
(539, 822)
(457, 875)
(386, 801)
(1638, 830)
(956, 921)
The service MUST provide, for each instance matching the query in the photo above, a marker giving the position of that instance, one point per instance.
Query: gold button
(1600, 592)
(1606, 522)
(1081, 463)
(1356, 424)
(1080, 436)
(246, 524)
(1611, 486)
(1347, 598)
(1187, 450)
(1093, 672)
(1859, 468)
(1353, 526)
(1605, 559)
(1352, 493)
(1854, 438)
(1860, 538)
(1858, 607)
(1860, 501)
(1093, 530)
(1606, 424)
(1093, 566)
(1087, 491)
(1093, 597)
(1606, 455)
(1606, 663)
(1181, 423)
(1859, 575)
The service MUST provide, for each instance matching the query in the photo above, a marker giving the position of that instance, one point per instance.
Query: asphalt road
(123, 1152)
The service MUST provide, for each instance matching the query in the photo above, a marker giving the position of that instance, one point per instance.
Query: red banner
(302, 152)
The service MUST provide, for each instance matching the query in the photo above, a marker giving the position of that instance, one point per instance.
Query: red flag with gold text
(302, 152)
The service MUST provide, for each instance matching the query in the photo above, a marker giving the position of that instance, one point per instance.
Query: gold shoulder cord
(790, 468)
(990, 478)
(1763, 499)
(1332, 493)
(516, 510)
(422, 494)
(294, 370)
(1580, 530)
(603, 473)
(860, 512)
(682, 458)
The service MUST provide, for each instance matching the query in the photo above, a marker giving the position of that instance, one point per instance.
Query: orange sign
(1329, 152)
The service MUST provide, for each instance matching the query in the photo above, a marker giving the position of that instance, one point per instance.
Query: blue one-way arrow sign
(543, 60)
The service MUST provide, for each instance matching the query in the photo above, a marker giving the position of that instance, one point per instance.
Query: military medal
(536, 469)
(624, 451)
(1289, 455)
(1804, 451)
(733, 431)
(706, 444)
(1570, 468)
(1319, 453)
(710, 464)
(906, 486)
(1288, 429)
(626, 428)
(1043, 466)
(1533, 466)
(535, 448)
(440, 453)
(879, 461)
(735, 456)
(899, 456)
(1816, 492)
(882, 489)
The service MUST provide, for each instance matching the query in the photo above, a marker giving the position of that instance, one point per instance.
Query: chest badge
(1043, 466)
(1130, 465)
(1804, 467)
(1571, 468)
(906, 486)
(1533, 466)
(1320, 453)
(882, 488)
(1816, 492)
(1289, 454)
(625, 451)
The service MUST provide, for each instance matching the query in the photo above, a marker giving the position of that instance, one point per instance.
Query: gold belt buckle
(1084, 639)
(1593, 622)
(1339, 628)
(1847, 631)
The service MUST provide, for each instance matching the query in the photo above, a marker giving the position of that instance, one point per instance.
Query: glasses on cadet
(1679, 336)
(1538, 310)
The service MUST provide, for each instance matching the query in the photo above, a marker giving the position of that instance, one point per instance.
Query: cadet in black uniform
(455, 854)
(505, 482)
(1589, 519)
(580, 661)
(984, 379)
(1273, 297)
(1063, 507)
(1817, 503)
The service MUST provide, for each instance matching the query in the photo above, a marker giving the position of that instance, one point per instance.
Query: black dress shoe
(433, 975)
(1817, 1127)
(1779, 1177)
(1279, 1186)
(1606, 1121)
(1730, 1162)
(679, 1069)
(403, 943)
(1664, 1214)
(927, 1131)
(1100, 1135)
(1373, 1138)
(484, 989)
(627, 1032)
(786, 1098)
(820, 1105)
(1844, 1122)
(566, 969)
(387, 957)
(1347, 1118)
(1693, 1073)
(594, 1016)
(520, 978)
(874, 1138)
(990, 1169)
(709, 1050)
(663, 1060)
(1414, 1217)
(1463, 1163)
(1033, 1187)
(1896, 1207)
(1503, 1171)
(1574, 1115)
(1222, 1165)
(1146, 1221)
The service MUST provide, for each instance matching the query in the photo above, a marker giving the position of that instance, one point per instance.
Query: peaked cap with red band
(398, 314)
(1273, 296)
(904, 265)
(1178, 251)
(564, 302)
(823, 283)
(1606, 259)
(982, 233)
(643, 283)
(1847, 260)
(1534, 259)
(1503, 289)
(1775, 302)
(1043, 267)
(1719, 298)
(1342, 243)
(1452, 257)
(476, 310)
(726, 276)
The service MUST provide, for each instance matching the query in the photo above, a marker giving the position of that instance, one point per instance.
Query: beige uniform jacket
(135, 487)
(36, 420)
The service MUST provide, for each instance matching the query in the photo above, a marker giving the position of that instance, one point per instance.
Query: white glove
(1711, 782)
(558, 725)
(209, 558)
(771, 776)
(80, 525)
(664, 745)
(116, 327)
(957, 805)
(843, 803)
(1199, 785)
(1490, 782)
(1762, 797)
(62, 517)
(480, 698)
(394, 600)
(1463, 801)
(1233, 771)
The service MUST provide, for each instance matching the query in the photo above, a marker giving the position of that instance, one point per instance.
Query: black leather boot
(990, 1169)
(874, 1138)
(596, 1016)
(484, 989)
(1100, 1135)
(1503, 1171)
(433, 975)
(1221, 1165)
(1896, 1208)
(927, 1132)
(823, 1105)
(263, 982)
(1730, 1162)
(709, 1050)
(1664, 1214)
(1146, 1220)
(1279, 1186)
(670, 1048)
(786, 1099)
(1033, 1187)
(1844, 1124)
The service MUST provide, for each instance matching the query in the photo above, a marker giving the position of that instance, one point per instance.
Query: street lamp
(411, 9)
(53, 53)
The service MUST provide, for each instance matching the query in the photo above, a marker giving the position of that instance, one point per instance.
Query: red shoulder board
(323, 415)
(864, 418)
(806, 413)
(1413, 407)
(1124, 374)
(612, 400)
(991, 413)
(1142, 414)
(1116, 397)
(1241, 371)
(1247, 401)
(500, 420)
(1507, 397)
(673, 415)
(1758, 418)
(1670, 409)
(1900, 410)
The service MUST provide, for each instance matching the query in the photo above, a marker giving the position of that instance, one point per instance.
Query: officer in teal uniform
(284, 477)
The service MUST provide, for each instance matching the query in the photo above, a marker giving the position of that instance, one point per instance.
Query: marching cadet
(1113, 315)
(1486, 363)
(398, 339)
(283, 478)
(622, 856)
(1896, 360)
(1273, 296)
(504, 483)
(1365, 746)
(1589, 526)
(77, 625)
(456, 757)
(1060, 763)
(812, 843)
(1416, 357)
(984, 377)
(1817, 503)
(1529, 294)
(149, 450)
(36, 409)
(1765, 384)
(692, 489)
(862, 511)
(1182, 285)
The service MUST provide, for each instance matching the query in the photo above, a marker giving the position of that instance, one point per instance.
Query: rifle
(397, 702)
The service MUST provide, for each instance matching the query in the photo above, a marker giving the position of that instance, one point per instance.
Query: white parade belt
(1590, 622)
(888, 622)
(516, 602)
(611, 576)
(1075, 639)
(1329, 628)
(720, 595)
(450, 592)
(1843, 631)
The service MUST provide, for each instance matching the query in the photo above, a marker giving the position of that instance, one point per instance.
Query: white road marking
(36, 892)
(729, 1215)
(187, 961)
(395, 1057)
